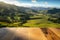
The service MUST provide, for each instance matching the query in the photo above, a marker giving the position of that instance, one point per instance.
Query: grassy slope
(43, 22)
(38, 20)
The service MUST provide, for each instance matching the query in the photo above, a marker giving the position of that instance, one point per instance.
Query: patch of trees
(54, 11)
(54, 15)
(55, 20)
(11, 13)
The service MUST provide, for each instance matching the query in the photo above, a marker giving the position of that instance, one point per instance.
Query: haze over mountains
(35, 7)
(40, 8)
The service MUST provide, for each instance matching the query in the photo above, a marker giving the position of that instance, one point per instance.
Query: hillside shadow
(35, 18)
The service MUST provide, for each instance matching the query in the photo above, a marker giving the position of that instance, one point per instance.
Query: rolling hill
(14, 16)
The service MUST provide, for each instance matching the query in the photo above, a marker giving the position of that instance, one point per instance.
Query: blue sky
(37, 3)
(52, 3)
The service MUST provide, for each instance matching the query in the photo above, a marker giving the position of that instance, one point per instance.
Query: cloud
(9, 1)
(46, 3)
(17, 3)
(34, 1)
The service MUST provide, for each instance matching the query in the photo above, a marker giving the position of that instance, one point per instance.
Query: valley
(15, 16)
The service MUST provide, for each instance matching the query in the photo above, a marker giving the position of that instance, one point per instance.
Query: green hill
(14, 16)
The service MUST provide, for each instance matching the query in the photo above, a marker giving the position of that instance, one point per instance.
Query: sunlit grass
(40, 23)
(43, 22)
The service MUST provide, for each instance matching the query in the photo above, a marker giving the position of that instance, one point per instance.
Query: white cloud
(27, 4)
(8, 1)
(34, 1)
(15, 2)
(46, 3)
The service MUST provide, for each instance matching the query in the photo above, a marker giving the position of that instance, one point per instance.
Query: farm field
(29, 33)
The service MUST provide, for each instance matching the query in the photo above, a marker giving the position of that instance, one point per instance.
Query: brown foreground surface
(29, 34)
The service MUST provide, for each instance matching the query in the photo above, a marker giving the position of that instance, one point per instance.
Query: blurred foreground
(29, 33)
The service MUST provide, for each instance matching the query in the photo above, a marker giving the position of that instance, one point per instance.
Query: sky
(36, 3)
